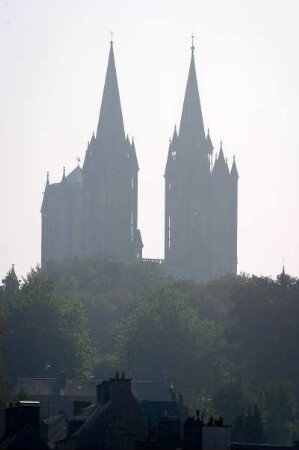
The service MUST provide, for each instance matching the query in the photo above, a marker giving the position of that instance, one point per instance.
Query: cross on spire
(192, 42)
(78, 160)
(111, 36)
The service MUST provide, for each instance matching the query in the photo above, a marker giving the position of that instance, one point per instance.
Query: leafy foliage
(43, 327)
(166, 339)
(249, 426)
(230, 346)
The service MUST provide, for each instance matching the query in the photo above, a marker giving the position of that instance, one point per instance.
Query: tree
(232, 399)
(278, 406)
(248, 426)
(3, 376)
(43, 328)
(107, 289)
(254, 427)
(164, 338)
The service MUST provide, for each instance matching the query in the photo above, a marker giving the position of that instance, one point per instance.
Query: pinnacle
(191, 125)
(111, 126)
(234, 170)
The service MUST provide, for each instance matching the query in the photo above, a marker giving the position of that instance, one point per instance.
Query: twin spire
(111, 125)
(191, 125)
(191, 131)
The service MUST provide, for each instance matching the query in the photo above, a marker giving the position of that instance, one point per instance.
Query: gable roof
(25, 439)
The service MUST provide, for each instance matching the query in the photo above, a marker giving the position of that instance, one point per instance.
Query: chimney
(120, 387)
(62, 382)
(103, 392)
(170, 432)
(21, 414)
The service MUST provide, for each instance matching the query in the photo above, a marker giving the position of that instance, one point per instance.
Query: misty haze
(149, 232)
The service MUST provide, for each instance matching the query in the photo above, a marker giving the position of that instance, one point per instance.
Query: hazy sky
(53, 61)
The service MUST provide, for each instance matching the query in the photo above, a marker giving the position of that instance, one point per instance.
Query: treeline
(230, 346)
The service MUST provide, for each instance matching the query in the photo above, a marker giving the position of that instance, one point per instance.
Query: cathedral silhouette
(93, 209)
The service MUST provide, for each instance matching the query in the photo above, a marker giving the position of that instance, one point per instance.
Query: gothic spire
(220, 166)
(221, 154)
(234, 170)
(175, 134)
(210, 147)
(11, 282)
(111, 126)
(191, 125)
(283, 278)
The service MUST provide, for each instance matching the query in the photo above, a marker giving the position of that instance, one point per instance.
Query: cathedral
(93, 210)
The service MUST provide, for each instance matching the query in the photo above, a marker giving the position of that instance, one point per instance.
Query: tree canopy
(229, 345)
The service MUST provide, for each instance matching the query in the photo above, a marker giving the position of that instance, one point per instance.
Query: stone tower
(93, 210)
(110, 182)
(200, 198)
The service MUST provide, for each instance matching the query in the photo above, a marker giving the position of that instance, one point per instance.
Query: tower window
(133, 183)
(169, 234)
(169, 186)
(132, 226)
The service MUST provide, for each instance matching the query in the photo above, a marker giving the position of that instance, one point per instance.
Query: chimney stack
(21, 414)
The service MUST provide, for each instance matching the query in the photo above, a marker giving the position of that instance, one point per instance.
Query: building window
(133, 183)
(169, 186)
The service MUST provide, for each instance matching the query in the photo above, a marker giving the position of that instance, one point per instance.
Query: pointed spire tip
(192, 43)
(110, 112)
